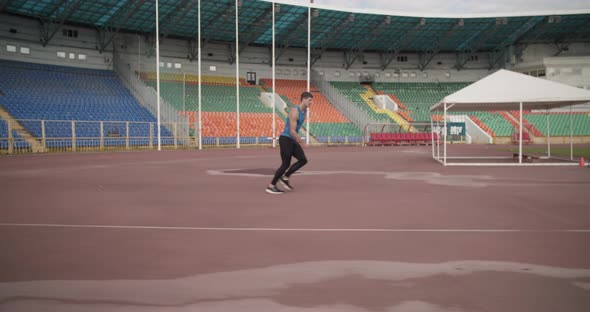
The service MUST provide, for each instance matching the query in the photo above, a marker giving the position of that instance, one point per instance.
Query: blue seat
(60, 94)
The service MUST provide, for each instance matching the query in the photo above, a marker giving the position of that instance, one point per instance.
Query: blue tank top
(287, 131)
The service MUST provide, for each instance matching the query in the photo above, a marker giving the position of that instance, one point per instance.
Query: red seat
(396, 137)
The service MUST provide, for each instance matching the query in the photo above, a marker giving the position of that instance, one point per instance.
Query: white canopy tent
(505, 90)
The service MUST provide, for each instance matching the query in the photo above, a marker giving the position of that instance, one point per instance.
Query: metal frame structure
(352, 32)
(506, 91)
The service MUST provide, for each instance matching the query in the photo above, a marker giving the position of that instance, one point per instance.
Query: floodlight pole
(274, 143)
(571, 135)
(520, 138)
(158, 74)
(308, 63)
(237, 81)
(548, 136)
(445, 135)
(200, 126)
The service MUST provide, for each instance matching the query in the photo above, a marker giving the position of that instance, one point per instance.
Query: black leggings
(289, 148)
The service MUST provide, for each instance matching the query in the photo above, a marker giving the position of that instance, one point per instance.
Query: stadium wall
(24, 33)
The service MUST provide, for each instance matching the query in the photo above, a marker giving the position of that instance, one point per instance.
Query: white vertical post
(438, 140)
(431, 135)
(183, 92)
(308, 64)
(158, 72)
(274, 143)
(444, 135)
(43, 138)
(200, 126)
(571, 135)
(237, 81)
(520, 136)
(548, 136)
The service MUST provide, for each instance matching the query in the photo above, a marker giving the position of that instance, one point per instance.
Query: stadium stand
(560, 123)
(59, 95)
(218, 104)
(354, 92)
(417, 97)
(326, 122)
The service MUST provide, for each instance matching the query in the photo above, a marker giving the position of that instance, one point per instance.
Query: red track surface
(366, 229)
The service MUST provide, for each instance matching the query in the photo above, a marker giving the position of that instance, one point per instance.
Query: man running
(291, 145)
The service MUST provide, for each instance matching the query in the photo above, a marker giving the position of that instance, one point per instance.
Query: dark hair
(306, 95)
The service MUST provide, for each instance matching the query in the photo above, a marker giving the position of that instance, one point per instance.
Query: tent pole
(438, 140)
(432, 135)
(445, 136)
(548, 136)
(520, 137)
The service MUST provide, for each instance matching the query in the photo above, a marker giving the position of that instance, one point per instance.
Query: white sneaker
(274, 190)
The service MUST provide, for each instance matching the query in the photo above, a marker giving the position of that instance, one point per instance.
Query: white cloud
(456, 6)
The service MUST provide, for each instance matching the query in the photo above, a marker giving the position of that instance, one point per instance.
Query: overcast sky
(456, 6)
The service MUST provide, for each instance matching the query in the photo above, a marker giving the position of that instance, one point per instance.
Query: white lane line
(263, 229)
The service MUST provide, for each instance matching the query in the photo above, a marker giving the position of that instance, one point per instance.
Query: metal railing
(65, 136)
(74, 136)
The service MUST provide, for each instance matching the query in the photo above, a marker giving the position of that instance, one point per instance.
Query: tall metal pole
(548, 136)
(200, 126)
(274, 143)
(571, 135)
(520, 136)
(158, 73)
(237, 81)
(308, 63)
(444, 135)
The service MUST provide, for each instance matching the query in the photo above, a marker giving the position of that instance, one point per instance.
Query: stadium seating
(560, 123)
(192, 79)
(215, 98)
(3, 134)
(353, 91)
(59, 95)
(402, 138)
(219, 106)
(322, 110)
(525, 123)
(418, 97)
(494, 121)
(224, 124)
(326, 122)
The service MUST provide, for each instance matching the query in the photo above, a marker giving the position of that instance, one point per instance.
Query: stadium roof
(356, 32)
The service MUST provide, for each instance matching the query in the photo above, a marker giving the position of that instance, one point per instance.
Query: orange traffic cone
(582, 163)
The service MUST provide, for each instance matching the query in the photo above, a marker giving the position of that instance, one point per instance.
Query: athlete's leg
(301, 160)
(286, 145)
